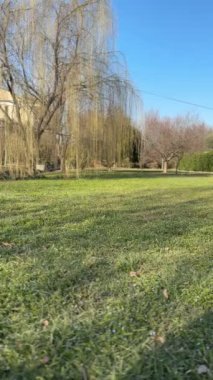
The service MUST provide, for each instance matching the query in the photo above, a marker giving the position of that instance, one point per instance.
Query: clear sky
(168, 47)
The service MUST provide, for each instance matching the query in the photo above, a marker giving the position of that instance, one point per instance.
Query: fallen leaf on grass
(6, 244)
(45, 360)
(134, 274)
(202, 369)
(159, 339)
(138, 273)
(45, 323)
(166, 294)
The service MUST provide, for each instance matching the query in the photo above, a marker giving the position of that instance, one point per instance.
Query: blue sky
(168, 47)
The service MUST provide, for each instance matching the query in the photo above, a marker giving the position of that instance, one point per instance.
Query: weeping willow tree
(70, 94)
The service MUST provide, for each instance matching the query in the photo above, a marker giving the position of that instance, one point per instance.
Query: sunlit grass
(67, 248)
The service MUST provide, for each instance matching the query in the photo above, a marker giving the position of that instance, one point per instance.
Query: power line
(177, 100)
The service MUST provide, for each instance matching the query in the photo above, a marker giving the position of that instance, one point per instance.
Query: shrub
(197, 162)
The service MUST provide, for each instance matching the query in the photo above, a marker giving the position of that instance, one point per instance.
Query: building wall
(6, 102)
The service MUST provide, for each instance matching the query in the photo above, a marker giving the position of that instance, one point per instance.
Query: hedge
(202, 162)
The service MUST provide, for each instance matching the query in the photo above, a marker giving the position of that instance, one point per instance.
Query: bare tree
(168, 139)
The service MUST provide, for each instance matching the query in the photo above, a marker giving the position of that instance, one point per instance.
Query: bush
(197, 162)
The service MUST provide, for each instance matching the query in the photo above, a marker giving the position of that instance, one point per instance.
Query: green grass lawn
(69, 308)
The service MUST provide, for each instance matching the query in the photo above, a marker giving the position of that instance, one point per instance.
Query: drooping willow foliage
(70, 100)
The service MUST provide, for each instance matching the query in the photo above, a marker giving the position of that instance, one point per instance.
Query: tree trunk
(178, 163)
(165, 166)
(176, 166)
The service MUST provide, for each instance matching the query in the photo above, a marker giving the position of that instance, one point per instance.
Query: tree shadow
(143, 222)
(118, 174)
(140, 173)
(84, 342)
(180, 357)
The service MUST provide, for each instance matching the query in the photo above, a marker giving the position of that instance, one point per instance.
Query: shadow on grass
(134, 174)
(180, 357)
(115, 342)
(118, 174)
(81, 248)
(141, 223)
